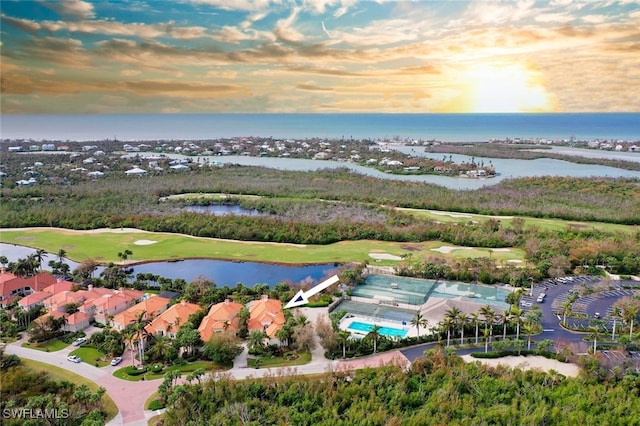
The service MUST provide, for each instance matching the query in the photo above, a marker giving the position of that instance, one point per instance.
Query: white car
(74, 358)
(116, 361)
(79, 341)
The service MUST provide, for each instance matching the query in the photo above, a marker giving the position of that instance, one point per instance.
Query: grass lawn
(104, 246)
(269, 362)
(549, 224)
(61, 374)
(52, 345)
(91, 356)
(209, 367)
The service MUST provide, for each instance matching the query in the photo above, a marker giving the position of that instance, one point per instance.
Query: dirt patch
(25, 238)
(68, 247)
(410, 247)
(384, 256)
(577, 225)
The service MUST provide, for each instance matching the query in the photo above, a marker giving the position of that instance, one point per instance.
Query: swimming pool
(365, 328)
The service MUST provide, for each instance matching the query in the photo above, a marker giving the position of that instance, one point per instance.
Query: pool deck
(345, 323)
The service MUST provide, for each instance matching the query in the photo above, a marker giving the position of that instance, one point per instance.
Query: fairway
(550, 224)
(105, 244)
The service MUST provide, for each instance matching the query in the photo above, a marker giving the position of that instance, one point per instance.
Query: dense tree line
(439, 389)
(90, 203)
(25, 389)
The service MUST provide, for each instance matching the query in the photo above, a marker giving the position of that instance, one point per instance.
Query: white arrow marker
(302, 298)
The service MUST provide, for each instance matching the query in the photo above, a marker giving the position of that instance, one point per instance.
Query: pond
(221, 272)
(222, 210)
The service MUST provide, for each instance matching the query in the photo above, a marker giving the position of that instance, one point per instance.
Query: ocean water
(443, 127)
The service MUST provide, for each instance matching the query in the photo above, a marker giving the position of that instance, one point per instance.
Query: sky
(319, 56)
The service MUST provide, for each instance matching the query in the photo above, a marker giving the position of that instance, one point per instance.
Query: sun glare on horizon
(510, 88)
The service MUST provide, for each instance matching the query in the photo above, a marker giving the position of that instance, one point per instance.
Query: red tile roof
(218, 315)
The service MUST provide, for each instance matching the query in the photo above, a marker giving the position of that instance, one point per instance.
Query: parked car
(116, 361)
(74, 358)
(79, 341)
(541, 298)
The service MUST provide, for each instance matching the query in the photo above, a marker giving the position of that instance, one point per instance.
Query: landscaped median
(288, 359)
(157, 371)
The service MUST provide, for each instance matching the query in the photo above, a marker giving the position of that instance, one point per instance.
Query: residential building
(12, 286)
(151, 306)
(266, 315)
(168, 322)
(221, 317)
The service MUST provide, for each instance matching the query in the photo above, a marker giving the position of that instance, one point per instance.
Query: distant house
(136, 171)
(266, 315)
(168, 322)
(221, 317)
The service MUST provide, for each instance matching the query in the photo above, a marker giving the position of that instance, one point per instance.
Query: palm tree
(129, 335)
(139, 325)
(616, 314)
(486, 340)
(39, 258)
(503, 318)
(566, 310)
(475, 318)
(454, 315)
(462, 320)
(516, 316)
(419, 321)
(594, 334)
(630, 313)
(529, 329)
(256, 339)
(446, 324)
(489, 316)
(374, 335)
(343, 338)
(62, 253)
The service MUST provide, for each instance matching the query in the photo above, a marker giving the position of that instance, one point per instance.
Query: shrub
(134, 371)
(156, 404)
(179, 361)
(156, 368)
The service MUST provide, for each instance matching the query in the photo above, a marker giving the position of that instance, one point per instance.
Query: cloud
(284, 29)
(242, 5)
(312, 86)
(324, 29)
(76, 9)
(25, 25)
(130, 73)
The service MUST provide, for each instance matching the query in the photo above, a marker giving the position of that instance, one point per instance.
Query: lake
(507, 168)
(219, 271)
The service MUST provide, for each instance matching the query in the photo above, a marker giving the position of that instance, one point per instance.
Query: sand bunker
(530, 363)
(384, 256)
(144, 242)
(501, 249)
(449, 249)
(514, 261)
(449, 214)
